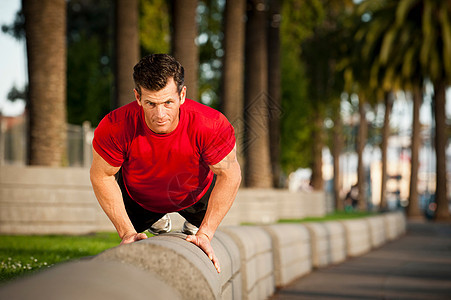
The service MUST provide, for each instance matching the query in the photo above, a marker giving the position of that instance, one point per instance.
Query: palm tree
(410, 41)
(362, 137)
(370, 37)
(258, 165)
(442, 212)
(320, 55)
(417, 46)
(423, 31)
(435, 58)
(184, 47)
(388, 104)
(233, 78)
(274, 88)
(337, 148)
(413, 208)
(357, 64)
(397, 67)
(390, 49)
(45, 29)
(127, 48)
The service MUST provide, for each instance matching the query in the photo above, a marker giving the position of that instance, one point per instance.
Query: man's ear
(137, 97)
(183, 95)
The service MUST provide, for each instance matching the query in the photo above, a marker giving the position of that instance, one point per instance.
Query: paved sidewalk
(416, 266)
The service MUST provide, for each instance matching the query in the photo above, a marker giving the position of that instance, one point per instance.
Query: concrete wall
(39, 200)
(337, 242)
(257, 269)
(377, 231)
(292, 254)
(266, 206)
(357, 236)
(320, 244)
(254, 261)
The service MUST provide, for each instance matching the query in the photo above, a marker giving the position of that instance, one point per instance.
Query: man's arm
(109, 195)
(228, 180)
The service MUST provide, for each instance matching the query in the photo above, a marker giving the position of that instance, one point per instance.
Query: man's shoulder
(199, 110)
(119, 121)
(205, 121)
(127, 112)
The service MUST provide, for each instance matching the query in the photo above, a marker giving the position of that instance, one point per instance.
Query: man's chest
(175, 152)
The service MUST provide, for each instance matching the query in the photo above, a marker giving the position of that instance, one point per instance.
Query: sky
(12, 60)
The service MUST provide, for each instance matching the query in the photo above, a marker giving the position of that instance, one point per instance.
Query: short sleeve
(106, 144)
(219, 140)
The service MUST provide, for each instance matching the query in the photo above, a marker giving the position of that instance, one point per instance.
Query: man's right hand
(131, 237)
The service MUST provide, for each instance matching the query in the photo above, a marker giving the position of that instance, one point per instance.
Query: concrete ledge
(319, 243)
(230, 275)
(401, 222)
(377, 231)
(267, 206)
(179, 263)
(395, 225)
(291, 252)
(357, 237)
(337, 241)
(100, 280)
(257, 268)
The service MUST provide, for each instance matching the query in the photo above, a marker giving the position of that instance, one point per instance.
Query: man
(169, 154)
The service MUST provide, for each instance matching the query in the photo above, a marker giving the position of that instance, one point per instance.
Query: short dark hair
(153, 71)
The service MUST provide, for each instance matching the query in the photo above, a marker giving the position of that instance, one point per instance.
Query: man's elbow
(93, 176)
(239, 178)
(237, 175)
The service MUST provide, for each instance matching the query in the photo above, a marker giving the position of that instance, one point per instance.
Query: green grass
(22, 255)
(335, 216)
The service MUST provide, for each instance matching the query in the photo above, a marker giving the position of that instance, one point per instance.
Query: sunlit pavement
(416, 266)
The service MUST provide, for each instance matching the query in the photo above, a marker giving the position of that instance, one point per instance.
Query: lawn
(335, 216)
(21, 255)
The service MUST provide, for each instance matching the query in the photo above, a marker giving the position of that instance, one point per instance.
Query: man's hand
(202, 241)
(133, 237)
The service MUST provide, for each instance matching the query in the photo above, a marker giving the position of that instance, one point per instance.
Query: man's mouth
(161, 123)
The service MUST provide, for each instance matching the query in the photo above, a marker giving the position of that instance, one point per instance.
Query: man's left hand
(202, 241)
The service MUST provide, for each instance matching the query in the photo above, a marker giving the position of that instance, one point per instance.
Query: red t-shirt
(165, 172)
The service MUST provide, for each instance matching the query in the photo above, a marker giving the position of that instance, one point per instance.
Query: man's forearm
(109, 196)
(221, 199)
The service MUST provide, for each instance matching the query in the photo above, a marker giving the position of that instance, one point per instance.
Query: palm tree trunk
(337, 147)
(442, 212)
(184, 47)
(258, 165)
(127, 49)
(317, 181)
(233, 76)
(45, 27)
(413, 209)
(361, 141)
(384, 145)
(274, 89)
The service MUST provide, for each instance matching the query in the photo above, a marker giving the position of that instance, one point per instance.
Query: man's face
(161, 108)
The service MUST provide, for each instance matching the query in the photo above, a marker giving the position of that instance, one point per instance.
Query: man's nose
(160, 111)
